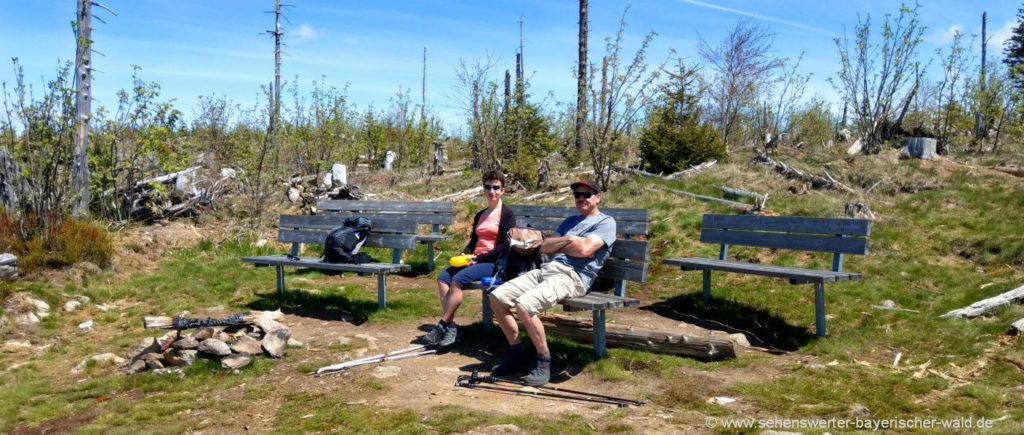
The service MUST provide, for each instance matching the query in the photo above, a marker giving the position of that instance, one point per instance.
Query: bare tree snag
(83, 109)
(581, 80)
(985, 305)
(706, 348)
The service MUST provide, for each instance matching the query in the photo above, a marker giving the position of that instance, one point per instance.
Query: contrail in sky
(751, 14)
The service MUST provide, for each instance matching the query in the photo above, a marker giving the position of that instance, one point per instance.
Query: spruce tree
(1014, 51)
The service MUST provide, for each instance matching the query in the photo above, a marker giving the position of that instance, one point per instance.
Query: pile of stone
(248, 335)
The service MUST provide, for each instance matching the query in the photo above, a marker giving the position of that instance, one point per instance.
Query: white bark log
(985, 305)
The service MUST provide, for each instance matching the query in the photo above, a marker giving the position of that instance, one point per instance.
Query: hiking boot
(434, 336)
(516, 361)
(541, 372)
(451, 332)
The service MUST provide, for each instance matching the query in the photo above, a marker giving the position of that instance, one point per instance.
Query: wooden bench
(386, 233)
(627, 261)
(836, 235)
(434, 214)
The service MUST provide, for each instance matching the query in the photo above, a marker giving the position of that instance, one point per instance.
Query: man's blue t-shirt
(601, 225)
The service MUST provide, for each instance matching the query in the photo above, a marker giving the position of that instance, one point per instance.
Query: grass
(931, 251)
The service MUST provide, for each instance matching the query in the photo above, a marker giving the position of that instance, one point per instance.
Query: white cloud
(305, 32)
(945, 36)
(1002, 34)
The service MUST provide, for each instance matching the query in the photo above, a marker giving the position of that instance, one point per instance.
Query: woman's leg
(453, 298)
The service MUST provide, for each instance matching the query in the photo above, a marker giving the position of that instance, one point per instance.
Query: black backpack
(343, 243)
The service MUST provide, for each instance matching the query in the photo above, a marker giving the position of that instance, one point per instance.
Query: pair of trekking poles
(492, 383)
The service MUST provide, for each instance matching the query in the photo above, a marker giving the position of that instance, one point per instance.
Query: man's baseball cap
(586, 183)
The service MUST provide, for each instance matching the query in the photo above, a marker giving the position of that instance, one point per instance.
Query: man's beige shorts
(540, 289)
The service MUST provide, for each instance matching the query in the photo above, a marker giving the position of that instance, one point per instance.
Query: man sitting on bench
(578, 250)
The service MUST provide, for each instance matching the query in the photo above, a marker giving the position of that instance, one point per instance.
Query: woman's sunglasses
(492, 187)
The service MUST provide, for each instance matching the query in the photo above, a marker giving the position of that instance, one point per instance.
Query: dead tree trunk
(985, 305)
(581, 80)
(83, 109)
(706, 348)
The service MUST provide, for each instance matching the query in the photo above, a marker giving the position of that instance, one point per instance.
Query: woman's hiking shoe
(541, 372)
(448, 337)
(435, 335)
(515, 362)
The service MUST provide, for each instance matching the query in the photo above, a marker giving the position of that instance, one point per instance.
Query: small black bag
(342, 243)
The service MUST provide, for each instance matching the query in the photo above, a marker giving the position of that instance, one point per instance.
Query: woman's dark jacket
(505, 223)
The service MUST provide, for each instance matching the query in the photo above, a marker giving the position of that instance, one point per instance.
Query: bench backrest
(422, 212)
(836, 235)
(628, 258)
(386, 233)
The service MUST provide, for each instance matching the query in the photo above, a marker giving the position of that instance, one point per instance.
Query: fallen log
(459, 195)
(797, 174)
(1015, 171)
(734, 193)
(641, 172)
(731, 204)
(543, 194)
(1018, 326)
(8, 267)
(692, 170)
(985, 305)
(707, 348)
(179, 322)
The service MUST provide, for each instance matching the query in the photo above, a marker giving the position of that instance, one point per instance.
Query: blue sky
(218, 47)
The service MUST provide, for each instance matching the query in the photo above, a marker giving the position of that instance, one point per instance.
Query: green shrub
(63, 242)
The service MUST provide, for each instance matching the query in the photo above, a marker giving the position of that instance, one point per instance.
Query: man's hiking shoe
(448, 337)
(434, 336)
(515, 362)
(541, 372)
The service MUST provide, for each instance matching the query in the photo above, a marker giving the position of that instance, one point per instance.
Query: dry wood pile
(178, 194)
(234, 341)
(303, 189)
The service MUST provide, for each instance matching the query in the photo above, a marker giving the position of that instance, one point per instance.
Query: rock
(294, 195)
(247, 345)
(103, 359)
(137, 365)
(740, 339)
(295, 343)
(721, 400)
(14, 346)
(858, 410)
(503, 428)
(186, 342)
(215, 347)
(71, 305)
(180, 357)
(148, 345)
(344, 341)
(26, 308)
(275, 342)
(86, 325)
(260, 243)
(153, 361)
(919, 147)
(383, 372)
(235, 362)
(222, 336)
(228, 172)
(203, 333)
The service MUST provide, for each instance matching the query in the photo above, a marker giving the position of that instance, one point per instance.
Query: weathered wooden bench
(434, 214)
(627, 262)
(386, 233)
(836, 235)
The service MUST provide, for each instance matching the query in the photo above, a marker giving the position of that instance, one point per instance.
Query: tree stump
(919, 148)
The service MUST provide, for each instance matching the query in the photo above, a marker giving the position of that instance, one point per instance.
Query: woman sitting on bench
(488, 239)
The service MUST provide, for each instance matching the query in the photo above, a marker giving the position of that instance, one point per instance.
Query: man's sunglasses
(579, 195)
(492, 187)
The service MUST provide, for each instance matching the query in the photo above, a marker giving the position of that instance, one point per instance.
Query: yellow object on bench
(461, 260)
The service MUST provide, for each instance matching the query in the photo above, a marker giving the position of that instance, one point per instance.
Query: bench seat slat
(794, 273)
(802, 242)
(373, 240)
(281, 260)
(794, 224)
(596, 301)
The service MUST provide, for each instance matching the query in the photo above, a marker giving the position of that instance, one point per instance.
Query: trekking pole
(476, 381)
(411, 352)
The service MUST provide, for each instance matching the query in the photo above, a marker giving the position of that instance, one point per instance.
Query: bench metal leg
(707, 284)
(620, 288)
(382, 283)
(819, 308)
(280, 280)
(430, 256)
(396, 256)
(488, 311)
(599, 335)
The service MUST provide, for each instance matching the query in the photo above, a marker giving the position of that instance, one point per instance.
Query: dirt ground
(416, 384)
